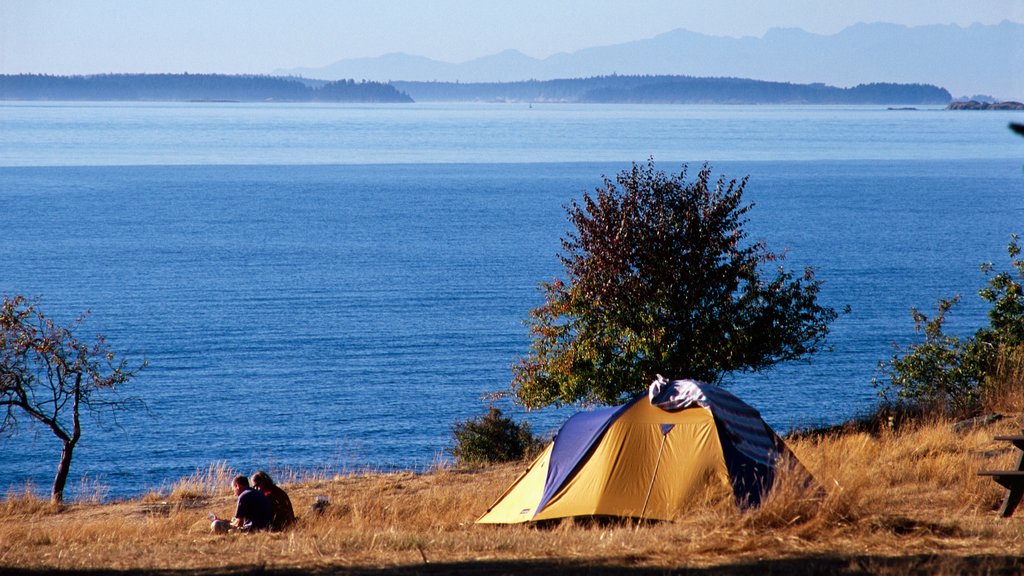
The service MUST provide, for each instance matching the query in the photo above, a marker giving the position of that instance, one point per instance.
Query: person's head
(262, 480)
(240, 484)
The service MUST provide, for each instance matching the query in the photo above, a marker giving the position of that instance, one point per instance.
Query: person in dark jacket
(254, 511)
(283, 514)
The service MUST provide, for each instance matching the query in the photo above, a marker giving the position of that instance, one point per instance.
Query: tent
(647, 458)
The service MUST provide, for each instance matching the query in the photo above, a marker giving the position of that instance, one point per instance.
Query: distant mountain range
(979, 59)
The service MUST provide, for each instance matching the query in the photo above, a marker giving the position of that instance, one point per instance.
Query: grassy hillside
(893, 502)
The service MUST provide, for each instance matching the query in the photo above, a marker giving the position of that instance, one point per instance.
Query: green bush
(950, 373)
(944, 372)
(492, 438)
(1005, 292)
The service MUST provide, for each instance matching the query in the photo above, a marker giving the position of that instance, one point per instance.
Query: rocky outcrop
(975, 105)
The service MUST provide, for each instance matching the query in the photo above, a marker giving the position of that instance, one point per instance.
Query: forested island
(673, 90)
(193, 87)
(597, 90)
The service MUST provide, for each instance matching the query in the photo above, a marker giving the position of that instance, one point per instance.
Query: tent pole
(650, 486)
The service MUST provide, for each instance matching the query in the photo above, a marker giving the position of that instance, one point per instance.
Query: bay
(139, 133)
(331, 287)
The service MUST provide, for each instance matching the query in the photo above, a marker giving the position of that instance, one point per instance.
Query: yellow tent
(646, 459)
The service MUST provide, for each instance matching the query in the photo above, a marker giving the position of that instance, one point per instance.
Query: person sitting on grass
(283, 515)
(252, 512)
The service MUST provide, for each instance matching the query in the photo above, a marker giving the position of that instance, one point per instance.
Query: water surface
(331, 287)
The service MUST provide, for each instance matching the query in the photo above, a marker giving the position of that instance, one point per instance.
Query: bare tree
(48, 374)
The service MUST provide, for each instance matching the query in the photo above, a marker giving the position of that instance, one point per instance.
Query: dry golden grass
(897, 502)
(1005, 392)
(881, 504)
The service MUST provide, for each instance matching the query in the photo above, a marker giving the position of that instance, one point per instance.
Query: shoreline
(889, 502)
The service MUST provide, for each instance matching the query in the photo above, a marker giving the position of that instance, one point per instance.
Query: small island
(975, 105)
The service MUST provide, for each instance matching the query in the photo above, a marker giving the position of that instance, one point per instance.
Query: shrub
(492, 438)
(943, 372)
(961, 375)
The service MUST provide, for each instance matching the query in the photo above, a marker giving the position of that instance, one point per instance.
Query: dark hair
(261, 478)
(241, 480)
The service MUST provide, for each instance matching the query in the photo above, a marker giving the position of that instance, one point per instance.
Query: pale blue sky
(234, 36)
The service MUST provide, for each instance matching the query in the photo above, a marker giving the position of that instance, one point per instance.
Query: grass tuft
(24, 502)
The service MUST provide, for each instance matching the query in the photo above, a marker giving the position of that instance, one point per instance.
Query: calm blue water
(330, 287)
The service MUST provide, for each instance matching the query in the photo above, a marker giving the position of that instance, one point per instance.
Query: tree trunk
(57, 496)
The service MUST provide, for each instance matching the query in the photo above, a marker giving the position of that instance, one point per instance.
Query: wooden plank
(1011, 500)
(1013, 481)
(1010, 480)
(1018, 441)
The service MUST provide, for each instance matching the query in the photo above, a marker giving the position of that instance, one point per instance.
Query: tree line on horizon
(669, 89)
(635, 89)
(193, 87)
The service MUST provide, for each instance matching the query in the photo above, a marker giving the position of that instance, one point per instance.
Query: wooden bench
(1012, 480)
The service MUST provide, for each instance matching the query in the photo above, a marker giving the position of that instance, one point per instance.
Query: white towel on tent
(672, 395)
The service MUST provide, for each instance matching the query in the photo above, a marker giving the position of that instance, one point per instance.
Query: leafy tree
(661, 279)
(50, 375)
(950, 372)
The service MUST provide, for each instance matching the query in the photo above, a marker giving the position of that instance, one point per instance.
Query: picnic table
(1012, 480)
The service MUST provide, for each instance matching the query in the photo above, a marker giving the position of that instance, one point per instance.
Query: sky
(260, 36)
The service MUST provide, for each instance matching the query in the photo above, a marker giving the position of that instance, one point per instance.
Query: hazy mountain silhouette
(978, 59)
